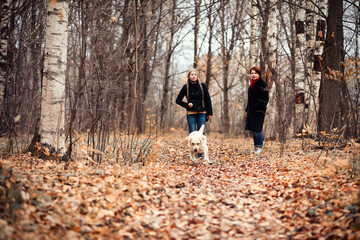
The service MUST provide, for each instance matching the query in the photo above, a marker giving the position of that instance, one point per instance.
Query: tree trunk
(4, 20)
(357, 65)
(291, 44)
(4, 37)
(270, 63)
(333, 99)
(310, 77)
(37, 63)
(227, 51)
(52, 121)
(144, 78)
(314, 76)
(196, 32)
(299, 84)
(209, 54)
(254, 25)
(124, 82)
(169, 51)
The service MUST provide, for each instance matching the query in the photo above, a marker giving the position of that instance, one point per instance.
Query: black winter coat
(258, 98)
(195, 97)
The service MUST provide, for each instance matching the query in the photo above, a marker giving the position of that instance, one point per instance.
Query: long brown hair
(187, 85)
(193, 70)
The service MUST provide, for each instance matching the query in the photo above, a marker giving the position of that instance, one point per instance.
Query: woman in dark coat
(258, 98)
(198, 104)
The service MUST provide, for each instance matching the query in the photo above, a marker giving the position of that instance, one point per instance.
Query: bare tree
(169, 51)
(196, 32)
(4, 38)
(291, 37)
(229, 35)
(253, 53)
(4, 21)
(211, 18)
(333, 106)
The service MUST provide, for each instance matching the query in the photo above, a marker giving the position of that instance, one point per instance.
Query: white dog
(197, 144)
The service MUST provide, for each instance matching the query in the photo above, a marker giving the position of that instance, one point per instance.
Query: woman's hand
(208, 117)
(190, 105)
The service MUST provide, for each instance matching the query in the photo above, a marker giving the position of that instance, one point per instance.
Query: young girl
(198, 104)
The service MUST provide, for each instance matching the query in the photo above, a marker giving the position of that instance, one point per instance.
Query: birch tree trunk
(314, 59)
(272, 37)
(254, 25)
(299, 67)
(270, 64)
(309, 61)
(52, 120)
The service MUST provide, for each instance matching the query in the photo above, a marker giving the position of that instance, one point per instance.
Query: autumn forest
(92, 143)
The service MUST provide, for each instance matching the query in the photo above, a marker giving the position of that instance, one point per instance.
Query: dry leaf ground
(305, 194)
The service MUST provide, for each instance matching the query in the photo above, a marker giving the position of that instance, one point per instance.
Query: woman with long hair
(198, 101)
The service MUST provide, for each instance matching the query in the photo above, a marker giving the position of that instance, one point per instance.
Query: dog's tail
(202, 128)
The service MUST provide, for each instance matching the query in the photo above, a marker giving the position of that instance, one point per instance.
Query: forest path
(302, 195)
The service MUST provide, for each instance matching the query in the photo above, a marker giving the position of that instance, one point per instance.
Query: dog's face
(196, 141)
(195, 144)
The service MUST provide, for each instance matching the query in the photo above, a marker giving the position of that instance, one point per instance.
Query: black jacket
(258, 98)
(195, 97)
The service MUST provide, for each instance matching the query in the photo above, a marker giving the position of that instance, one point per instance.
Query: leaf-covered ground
(305, 194)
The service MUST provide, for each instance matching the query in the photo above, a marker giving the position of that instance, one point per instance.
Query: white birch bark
(272, 48)
(315, 77)
(310, 50)
(272, 32)
(52, 121)
(4, 20)
(300, 67)
(319, 45)
(254, 25)
(300, 51)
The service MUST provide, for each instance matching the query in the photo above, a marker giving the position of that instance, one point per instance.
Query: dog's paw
(209, 161)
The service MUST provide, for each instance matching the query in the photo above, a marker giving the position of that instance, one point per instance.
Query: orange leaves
(320, 34)
(240, 196)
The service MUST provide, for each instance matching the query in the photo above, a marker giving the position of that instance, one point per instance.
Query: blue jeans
(258, 139)
(195, 121)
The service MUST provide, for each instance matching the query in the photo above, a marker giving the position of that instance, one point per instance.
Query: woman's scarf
(252, 82)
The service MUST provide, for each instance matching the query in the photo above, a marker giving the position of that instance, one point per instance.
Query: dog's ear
(187, 139)
(203, 138)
